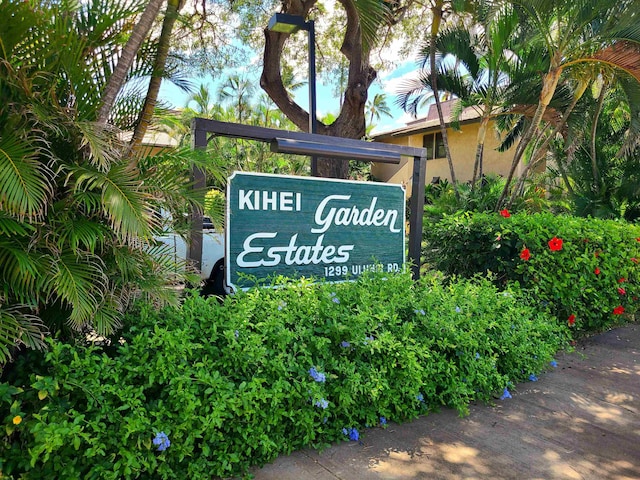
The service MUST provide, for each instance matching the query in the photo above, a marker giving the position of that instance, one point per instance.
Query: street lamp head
(285, 23)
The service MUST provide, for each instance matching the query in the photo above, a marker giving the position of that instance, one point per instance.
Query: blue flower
(282, 305)
(458, 309)
(345, 344)
(161, 440)
(322, 403)
(477, 355)
(236, 333)
(354, 435)
(383, 421)
(367, 339)
(533, 378)
(317, 376)
(505, 394)
(335, 300)
(421, 311)
(420, 397)
(553, 363)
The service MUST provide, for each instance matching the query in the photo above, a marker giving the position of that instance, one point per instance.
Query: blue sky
(387, 82)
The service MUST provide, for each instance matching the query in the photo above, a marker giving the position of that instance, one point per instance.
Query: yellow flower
(17, 420)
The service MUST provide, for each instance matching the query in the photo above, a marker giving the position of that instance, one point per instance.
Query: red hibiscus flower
(555, 244)
(622, 280)
(505, 213)
(572, 320)
(597, 271)
(622, 291)
(525, 254)
(619, 310)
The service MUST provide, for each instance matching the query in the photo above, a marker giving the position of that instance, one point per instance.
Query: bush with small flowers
(208, 389)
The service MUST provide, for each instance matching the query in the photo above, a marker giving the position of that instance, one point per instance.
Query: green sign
(311, 227)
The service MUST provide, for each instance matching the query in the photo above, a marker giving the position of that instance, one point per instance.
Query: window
(434, 144)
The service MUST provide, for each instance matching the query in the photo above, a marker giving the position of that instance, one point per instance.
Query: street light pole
(285, 23)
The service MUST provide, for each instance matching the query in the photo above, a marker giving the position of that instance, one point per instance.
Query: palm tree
(572, 34)
(238, 92)
(204, 104)
(477, 76)
(157, 73)
(129, 53)
(377, 107)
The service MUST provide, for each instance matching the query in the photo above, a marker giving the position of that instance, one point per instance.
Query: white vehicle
(212, 271)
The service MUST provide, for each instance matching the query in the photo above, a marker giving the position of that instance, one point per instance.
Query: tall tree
(478, 59)
(146, 114)
(437, 14)
(363, 17)
(127, 57)
(237, 92)
(376, 107)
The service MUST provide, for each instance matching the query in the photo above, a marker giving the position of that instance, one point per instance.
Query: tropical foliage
(490, 60)
(77, 220)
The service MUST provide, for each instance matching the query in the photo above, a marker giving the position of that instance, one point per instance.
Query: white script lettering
(254, 255)
(352, 216)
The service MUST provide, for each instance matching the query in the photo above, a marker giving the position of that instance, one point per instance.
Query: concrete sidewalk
(579, 421)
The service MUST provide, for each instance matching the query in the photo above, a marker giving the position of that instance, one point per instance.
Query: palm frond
(76, 280)
(25, 183)
(459, 43)
(108, 316)
(19, 327)
(123, 199)
(412, 91)
(103, 143)
(9, 226)
(20, 269)
(80, 234)
(372, 14)
(631, 89)
(514, 125)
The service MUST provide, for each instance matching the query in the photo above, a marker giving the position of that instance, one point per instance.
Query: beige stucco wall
(463, 149)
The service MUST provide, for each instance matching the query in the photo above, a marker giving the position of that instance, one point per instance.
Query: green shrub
(268, 371)
(589, 280)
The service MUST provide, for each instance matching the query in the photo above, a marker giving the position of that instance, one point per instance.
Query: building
(425, 132)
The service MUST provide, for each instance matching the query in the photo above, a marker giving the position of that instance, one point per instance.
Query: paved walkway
(579, 421)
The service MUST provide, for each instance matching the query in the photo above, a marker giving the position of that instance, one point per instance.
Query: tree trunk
(540, 151)
(594, 127)
(119, 75)
(549, 84)
(477, 165)
(146, 115)
(436, 19)
(350, 123)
